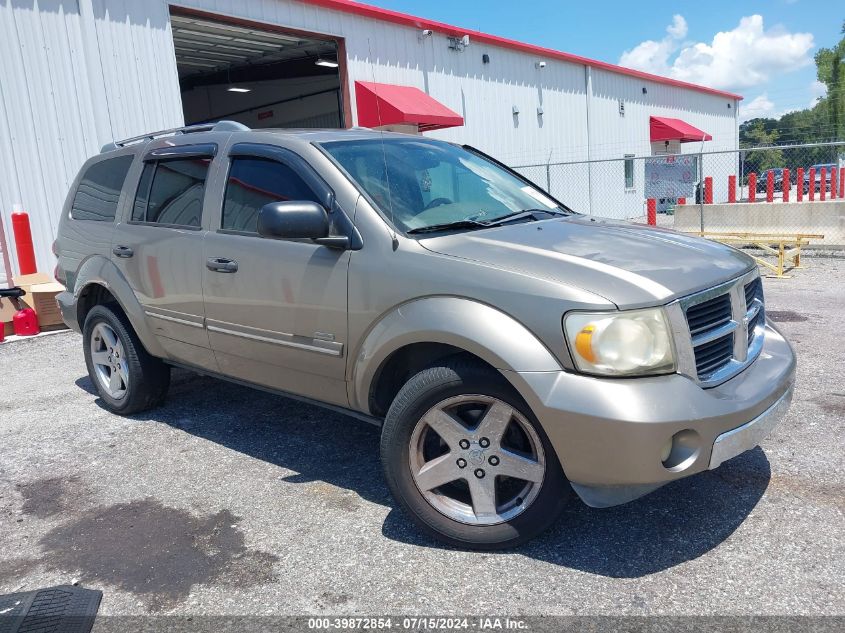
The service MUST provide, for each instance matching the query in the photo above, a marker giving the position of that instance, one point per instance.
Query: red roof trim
(404, 19)
(387, 104)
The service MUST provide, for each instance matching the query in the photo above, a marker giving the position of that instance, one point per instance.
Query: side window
(99, 190)
(171, 192)
(254, 182)
(629, 171)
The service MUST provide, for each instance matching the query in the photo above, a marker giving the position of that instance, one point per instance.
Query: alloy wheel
(109, 360)
(477, 460)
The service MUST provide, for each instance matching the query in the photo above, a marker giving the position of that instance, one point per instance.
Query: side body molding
(475, 327)
(99, 270)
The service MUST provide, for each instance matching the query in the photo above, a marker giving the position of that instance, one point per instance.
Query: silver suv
(511, 349)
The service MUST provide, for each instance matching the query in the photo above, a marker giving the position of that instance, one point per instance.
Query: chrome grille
(711, 356)
(708, 315)
(754, 290)
(719, 331)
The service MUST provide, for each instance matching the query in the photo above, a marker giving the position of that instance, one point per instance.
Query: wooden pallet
(784, 247)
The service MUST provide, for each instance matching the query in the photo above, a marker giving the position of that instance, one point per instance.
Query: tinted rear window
(171, 192)
(99, 190)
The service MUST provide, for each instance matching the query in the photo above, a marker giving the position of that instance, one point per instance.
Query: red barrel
(25, 322)
(799, 178)
(786, 185)
(652, 211)
(23, 243)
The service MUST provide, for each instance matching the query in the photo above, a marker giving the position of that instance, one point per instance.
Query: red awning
(665, 129)
(386, 104)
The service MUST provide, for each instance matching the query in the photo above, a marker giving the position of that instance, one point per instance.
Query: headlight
(631, 343)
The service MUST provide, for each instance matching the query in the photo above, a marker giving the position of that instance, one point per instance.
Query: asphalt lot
(232, 501)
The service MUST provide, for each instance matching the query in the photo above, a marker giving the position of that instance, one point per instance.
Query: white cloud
(654, 56)
(746, 56)
(760, 106)
(678, 28)
(817, 90)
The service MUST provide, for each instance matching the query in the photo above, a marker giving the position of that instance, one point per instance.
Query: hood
(628, 264)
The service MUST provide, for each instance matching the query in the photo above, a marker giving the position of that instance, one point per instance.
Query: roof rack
(219, 126)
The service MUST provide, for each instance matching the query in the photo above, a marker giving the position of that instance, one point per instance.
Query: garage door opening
(256, 76)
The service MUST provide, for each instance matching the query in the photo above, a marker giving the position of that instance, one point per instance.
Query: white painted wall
(79, 73)
(75, 74)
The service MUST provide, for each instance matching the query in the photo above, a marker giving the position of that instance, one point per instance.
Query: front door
(159, 249)
(275, 309)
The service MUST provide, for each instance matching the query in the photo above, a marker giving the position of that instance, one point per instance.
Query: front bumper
(609, 433)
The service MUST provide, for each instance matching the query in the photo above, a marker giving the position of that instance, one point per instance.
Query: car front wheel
(467, 460)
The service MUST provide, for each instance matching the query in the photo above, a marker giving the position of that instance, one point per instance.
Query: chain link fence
(788, 191)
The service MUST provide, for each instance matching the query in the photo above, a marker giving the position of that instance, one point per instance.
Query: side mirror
(293, 220)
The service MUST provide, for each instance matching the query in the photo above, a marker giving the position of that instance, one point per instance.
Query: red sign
(267, 114)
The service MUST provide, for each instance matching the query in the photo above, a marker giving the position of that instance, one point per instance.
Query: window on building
(99, 190)
(629, 171)
(171, 192)
(254, 182)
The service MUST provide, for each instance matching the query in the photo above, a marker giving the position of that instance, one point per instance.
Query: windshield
(420, 183)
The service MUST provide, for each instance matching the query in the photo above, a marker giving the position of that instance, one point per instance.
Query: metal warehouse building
(77, 74)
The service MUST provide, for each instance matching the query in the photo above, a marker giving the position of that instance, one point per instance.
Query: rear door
(159, 249)
(275, 309)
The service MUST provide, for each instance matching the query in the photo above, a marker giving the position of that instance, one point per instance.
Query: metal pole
(701, 190)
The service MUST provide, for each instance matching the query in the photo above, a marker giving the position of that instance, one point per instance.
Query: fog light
(683, 450)
(666, 451)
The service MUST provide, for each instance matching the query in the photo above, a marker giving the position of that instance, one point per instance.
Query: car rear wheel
(467, 460)
(127, 378)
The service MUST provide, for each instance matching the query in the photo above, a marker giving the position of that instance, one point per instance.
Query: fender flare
(101, 271)
(475, 327)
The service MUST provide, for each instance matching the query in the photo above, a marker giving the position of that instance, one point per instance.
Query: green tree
(830, 70)
(758, 133)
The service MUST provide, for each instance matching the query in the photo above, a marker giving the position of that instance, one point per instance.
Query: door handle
(221, 265)
(123, 251)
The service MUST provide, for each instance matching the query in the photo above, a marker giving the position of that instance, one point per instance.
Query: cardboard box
(40, 295)
(7, 311)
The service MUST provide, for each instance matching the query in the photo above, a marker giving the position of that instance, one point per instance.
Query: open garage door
(259, 77)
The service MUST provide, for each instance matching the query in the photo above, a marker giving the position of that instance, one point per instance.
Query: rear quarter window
(99, 190)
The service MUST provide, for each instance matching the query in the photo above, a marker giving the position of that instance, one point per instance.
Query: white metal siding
(75, 75)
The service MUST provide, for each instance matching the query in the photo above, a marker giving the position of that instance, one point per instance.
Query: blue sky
(762, 50)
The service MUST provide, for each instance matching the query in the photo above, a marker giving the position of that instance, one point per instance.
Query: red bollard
(841, 182)
(785, 185)
(770, 186)
(752, 187)
(652, 211)
(823, 178)
(812, 178)
(731, 188)
(23, 243)
(799, 179)
(681, 201)
(708, 190)
(833, 187)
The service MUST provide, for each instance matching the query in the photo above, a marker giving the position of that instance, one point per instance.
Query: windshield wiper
(448, 226)
(471, 223)
(520, 215)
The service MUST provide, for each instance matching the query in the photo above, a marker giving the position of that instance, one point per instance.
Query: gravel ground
(231, 501)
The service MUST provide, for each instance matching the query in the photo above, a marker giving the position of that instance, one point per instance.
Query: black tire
(149, 377)
(424, 390)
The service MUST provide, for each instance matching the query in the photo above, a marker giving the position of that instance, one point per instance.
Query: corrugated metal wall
(78, 73)
(75, 75)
